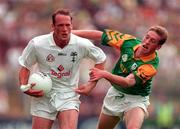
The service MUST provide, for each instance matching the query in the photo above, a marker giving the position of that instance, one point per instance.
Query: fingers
(91, 74)
(78, 91)
(33, 84)
(35, 93)
(93, 79)
(81, 90)
(92, 69)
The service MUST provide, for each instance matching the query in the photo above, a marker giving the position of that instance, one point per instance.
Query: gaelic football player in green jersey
(131, 78)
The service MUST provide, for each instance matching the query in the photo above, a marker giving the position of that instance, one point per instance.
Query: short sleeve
(95, 53)
(28, 57)
(144, 73)
(114, 38)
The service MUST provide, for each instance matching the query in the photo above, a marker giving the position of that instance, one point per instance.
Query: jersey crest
(73, 55)
(124, 57)
(50, 58)
(134, 66)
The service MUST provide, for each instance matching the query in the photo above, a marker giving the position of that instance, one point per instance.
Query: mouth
(64, 35)
(144, 46)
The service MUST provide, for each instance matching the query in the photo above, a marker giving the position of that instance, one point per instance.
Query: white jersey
(61, 64)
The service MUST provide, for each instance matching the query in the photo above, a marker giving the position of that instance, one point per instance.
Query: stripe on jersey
(116, 39)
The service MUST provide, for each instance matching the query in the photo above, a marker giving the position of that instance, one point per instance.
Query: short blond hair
(65, 12)
(161, 31)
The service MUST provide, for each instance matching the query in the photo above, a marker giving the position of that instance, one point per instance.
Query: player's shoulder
(41, 39)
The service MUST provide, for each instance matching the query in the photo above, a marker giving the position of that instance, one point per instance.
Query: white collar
(52, 42)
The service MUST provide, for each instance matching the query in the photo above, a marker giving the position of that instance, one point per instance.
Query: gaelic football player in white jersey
(59, 54)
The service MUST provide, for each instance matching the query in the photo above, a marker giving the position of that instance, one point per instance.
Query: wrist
(106, 74)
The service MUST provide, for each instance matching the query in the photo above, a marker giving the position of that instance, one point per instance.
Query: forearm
(119, 80)
(91, 85)
(89, 34)
(23, 76)
(25, 87)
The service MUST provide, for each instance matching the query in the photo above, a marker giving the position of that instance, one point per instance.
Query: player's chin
(65, 40)
(148, 52)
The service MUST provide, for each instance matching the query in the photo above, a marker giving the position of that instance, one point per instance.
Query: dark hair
(61, 12)
(161, 31)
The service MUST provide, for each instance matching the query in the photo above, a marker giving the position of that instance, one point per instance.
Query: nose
(64, 28)
(147, 41)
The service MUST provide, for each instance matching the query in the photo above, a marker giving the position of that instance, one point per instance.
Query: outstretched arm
(97, 74)
(85, 89)
(89, 34)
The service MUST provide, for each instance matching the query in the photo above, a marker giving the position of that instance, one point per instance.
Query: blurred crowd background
(21, 20)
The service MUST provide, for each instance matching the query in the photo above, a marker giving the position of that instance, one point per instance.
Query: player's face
(150, 43)
(62, 29)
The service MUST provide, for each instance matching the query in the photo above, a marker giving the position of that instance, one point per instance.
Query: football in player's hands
(41, 80)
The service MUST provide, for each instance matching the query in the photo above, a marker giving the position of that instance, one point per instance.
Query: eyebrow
(150, 36)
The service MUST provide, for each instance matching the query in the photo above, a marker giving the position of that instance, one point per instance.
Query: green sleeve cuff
(104, 38)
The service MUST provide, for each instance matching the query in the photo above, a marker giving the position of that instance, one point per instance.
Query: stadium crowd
(23, 19)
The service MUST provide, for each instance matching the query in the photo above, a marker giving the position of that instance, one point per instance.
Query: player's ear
(71, 26)
(52, 26)
(158, 47)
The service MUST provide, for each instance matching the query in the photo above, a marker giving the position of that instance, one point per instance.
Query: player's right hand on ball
(27, 89)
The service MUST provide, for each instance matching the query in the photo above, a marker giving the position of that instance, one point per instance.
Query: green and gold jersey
(143, 68)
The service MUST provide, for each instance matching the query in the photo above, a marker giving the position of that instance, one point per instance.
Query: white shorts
(116, 103)
(48, 107)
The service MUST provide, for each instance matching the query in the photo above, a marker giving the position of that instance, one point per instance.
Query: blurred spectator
(23, 19)
(164, 113)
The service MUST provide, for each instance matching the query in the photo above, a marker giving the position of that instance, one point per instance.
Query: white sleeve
(28, 57)
(95, 53)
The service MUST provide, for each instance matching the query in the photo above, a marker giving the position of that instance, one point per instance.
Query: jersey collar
(52, 42)
(145, 58)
